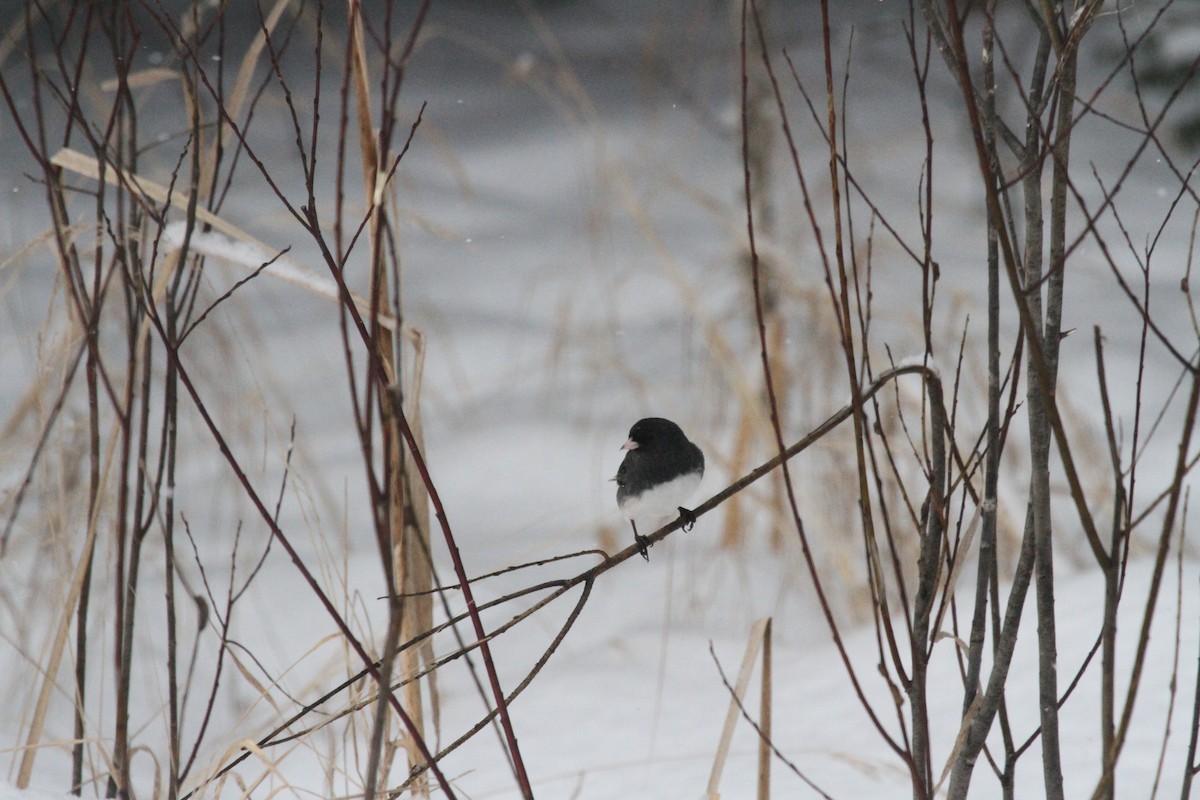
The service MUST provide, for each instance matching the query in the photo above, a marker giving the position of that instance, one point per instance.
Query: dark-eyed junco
(661, 470)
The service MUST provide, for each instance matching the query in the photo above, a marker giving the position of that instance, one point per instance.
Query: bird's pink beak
(629, 445)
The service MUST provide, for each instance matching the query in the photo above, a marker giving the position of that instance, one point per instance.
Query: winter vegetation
(323, 324)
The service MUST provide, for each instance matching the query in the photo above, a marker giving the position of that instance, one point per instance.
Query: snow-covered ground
(569, 257)
(631, 707)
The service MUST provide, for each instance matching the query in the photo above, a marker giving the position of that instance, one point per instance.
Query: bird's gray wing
(622, 473)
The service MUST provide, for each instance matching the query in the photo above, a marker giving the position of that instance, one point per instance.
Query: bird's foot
(643, 545)
(688, 517)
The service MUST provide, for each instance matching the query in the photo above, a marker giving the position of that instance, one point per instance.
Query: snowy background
(572, 243)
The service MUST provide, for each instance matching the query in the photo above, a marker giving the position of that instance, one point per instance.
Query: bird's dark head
(652, 432)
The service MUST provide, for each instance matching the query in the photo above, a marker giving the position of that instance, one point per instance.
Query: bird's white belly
(663, 500)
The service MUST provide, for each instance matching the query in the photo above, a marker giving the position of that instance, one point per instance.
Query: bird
(661, 470)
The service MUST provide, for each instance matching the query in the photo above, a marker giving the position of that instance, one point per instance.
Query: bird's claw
(688, 517)
(643, 544)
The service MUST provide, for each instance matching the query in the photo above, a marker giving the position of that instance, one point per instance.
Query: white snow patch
(252, 256)
(10, 792)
